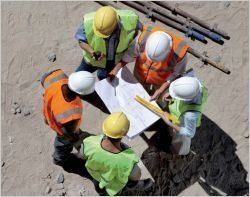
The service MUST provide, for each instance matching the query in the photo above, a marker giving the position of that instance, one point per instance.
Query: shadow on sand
(212, 162)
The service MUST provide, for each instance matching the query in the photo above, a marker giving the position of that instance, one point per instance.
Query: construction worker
(104, 36)
(160, 57)
(111, 163)
(188, 98)
(62, 108)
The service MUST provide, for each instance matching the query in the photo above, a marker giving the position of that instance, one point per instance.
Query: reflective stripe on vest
(156, 73)
(173, 60)
(56, 110)
(68, 113)
(55, 79)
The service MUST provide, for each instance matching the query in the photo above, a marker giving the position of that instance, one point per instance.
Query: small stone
(227, 4)
(217, 59)
(246, 134)
(48, 176)
(26, 113)
(16, 105)
(82, 191)
(11, 140)
(18, 110)
(60, 178)
(48, 190)
(2, 163)
(59, 186)
(13, 111)
(52, 57)
(60, 193)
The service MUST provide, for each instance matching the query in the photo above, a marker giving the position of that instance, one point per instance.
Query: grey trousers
(180, 144)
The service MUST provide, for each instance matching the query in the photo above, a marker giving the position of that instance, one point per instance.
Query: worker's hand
(166, 97)
(164, 116)
(156, 95)
(159, 91)
(113, 73)
(97, 56)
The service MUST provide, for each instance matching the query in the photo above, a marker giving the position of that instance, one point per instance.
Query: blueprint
(119, 95)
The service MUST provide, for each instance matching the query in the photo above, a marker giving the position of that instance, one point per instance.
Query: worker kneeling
(62, 108)
(111, 163)
(188, 98)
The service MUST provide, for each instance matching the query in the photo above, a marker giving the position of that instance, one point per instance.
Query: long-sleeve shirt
(111, 42)
(133, 52)
(189, 119)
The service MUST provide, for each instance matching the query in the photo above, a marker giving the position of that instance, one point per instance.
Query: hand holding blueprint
(119, 95)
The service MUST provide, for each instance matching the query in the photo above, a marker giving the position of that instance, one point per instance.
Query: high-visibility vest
(178, 107)
(156, 73)
(56, 110)
(111, 170)
(128, 20)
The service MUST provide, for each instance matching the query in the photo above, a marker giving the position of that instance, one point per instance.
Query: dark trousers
(84, 66)
(62, 150)
(130, 188)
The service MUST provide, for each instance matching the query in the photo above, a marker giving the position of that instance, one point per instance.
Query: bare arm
(169, 123)
(86, 47)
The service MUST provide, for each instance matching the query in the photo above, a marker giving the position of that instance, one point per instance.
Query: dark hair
(113, 139)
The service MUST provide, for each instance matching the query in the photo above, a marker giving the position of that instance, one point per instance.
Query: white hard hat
(82, 82)
(158, 46)
(185, 88)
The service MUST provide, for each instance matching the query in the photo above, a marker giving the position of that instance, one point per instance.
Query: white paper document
(119, 95)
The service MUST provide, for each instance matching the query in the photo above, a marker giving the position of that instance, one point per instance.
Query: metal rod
(166, 21)
(106, 3)
(180, 28)
(155, 8)
(208, 61)
(177, 10)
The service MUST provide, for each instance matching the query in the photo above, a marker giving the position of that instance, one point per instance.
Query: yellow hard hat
(116, 125)
(105, 21)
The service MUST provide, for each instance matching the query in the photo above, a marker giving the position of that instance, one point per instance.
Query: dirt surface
(219, 161)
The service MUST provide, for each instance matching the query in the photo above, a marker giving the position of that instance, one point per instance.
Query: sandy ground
(31, 30)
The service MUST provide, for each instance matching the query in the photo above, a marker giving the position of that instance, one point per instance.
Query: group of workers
(110, 39)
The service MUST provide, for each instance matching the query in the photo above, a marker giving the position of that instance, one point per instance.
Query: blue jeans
(84, 66)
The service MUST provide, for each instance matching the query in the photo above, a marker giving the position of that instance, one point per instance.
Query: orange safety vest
(56, 110)
(156, 73)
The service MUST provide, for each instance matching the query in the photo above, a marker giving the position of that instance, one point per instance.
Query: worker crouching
(188, 98)
(62, 108)
(111, 163)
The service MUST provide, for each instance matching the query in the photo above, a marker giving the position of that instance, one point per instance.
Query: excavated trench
(213, 158)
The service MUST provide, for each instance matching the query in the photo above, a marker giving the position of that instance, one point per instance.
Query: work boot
(141, 185)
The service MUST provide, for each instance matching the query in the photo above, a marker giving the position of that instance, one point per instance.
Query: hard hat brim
(173, 95)
(99, 34)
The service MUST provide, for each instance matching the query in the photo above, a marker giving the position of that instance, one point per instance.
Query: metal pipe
(188, 32)
(106, 3)
(208, 61)
(176, 10)
(190, 50)
(155, 8)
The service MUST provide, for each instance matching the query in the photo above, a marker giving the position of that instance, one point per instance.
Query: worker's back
(111, 170)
